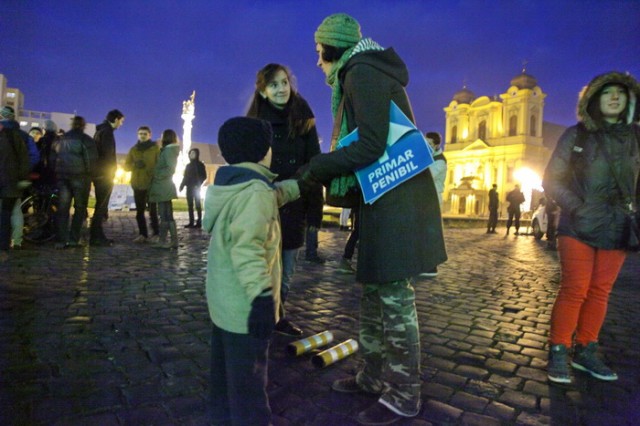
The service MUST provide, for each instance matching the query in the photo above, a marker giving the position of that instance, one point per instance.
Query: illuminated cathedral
(501, 140)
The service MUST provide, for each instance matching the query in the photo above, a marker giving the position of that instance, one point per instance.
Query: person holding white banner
(400, 232)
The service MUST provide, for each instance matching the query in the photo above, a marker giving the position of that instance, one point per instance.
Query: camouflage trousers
(390, 345)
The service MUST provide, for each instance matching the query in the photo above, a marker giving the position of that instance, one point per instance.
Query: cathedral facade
(501, 140)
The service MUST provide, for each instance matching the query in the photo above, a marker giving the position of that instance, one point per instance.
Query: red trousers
(587, 277)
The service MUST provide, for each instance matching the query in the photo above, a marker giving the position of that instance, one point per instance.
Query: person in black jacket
(494, 203)
(73, 157)
(194, 175)
(14, 167)
(593, 177)
(105, 172)
(514, 198)
(401, 232)
(295, 142)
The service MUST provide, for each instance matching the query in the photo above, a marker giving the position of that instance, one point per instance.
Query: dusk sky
(146, 57)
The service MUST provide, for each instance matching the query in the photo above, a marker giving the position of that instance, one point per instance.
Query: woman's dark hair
(332, 53)
(298, 113)
(168, 137)
(78, 123)
(594, 104)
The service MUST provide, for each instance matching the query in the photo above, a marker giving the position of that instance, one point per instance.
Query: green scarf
(342, 184)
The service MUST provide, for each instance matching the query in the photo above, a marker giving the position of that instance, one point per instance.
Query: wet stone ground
(120, 336)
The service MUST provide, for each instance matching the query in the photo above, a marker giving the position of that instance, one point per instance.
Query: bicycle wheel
(37, 221)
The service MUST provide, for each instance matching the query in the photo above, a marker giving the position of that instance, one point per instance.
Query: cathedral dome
(524, 81)
(464, 96)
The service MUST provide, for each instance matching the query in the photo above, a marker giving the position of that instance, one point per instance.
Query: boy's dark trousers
(239, 379)
(193, 196)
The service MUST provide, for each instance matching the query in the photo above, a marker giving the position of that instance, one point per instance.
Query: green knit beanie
(338, 30)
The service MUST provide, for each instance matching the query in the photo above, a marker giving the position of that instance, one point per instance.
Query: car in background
(539, 221)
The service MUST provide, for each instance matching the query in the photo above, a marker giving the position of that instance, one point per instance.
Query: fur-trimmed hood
(594, 87)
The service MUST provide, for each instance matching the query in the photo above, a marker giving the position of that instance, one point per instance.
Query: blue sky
(146, 57)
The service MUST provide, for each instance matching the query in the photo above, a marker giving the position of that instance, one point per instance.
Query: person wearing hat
(400, 233)
(244, 270)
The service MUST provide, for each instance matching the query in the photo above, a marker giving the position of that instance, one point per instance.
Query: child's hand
(262, 317)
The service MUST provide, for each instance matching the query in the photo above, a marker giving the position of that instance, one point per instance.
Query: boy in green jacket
(243, 270)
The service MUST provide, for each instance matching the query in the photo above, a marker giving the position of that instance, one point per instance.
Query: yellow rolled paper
(305, 345)
(335, 353)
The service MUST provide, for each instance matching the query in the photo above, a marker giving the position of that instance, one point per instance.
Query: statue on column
(188, 114)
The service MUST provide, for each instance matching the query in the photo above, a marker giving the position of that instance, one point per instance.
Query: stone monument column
(188, 114)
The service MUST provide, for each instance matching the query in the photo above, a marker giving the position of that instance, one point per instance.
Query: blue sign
(407, 154)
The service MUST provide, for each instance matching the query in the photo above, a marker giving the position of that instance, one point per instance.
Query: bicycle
(39, 211)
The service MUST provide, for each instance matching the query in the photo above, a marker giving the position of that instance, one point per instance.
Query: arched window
(532, 125)
(454, 134)
(482, 130)
(513, 125)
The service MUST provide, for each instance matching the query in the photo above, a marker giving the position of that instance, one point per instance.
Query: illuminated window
(454, 134)
(482, 130)
(532, 125)
(11, 95)
(23, 123)
(513, 125)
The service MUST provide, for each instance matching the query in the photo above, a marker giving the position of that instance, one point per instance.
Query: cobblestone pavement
(120, 336)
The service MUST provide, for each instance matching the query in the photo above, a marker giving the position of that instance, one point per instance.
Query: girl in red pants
(593, 177)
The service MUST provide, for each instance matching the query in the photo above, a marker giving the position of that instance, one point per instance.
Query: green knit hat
(338, 30)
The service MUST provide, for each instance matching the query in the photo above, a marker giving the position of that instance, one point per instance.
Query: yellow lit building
(501, 140)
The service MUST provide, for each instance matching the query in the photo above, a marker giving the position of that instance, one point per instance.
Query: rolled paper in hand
(305, 345)
(335, 353)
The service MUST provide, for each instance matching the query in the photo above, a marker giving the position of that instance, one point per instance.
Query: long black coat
(401, 233)
(288, 155)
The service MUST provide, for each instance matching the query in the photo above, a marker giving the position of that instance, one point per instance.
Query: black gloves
(262, 318)
(306, 180)
(140, 164)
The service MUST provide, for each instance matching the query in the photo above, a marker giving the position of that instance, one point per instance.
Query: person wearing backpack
(593, 178)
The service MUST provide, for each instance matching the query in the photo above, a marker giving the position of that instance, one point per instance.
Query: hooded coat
(195, 172)
(401, 233)
(141, 162)
(162, 187)
(581, 181)
(241, 215)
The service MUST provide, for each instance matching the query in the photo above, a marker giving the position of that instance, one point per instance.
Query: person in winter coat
(44, 168)
(591, 162)
(439, 166)
(494, 204)
(400, 233)
(73, 157)
(8, 121)
(163, 190)
(105, 172)
(14, 170)
(194, 175)
(295, 142)
(243, 270)
(141, 162)
(515, 197)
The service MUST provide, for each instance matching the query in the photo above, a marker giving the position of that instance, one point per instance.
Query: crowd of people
(267, 201)
(69, 163)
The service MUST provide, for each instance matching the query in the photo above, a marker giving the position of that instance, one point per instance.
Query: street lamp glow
(529, 181)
